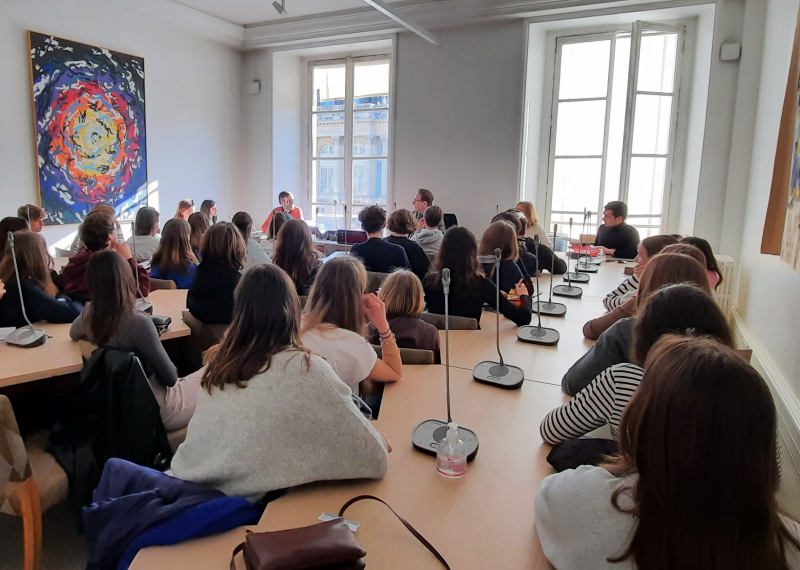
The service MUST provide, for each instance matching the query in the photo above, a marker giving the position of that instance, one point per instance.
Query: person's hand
(375, 310)
(521, 288)
(123, 249)
(2, 289)
(607, 251)
(421, 224)
(388, 445)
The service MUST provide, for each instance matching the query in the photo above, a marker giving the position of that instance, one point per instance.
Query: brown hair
(174, 253)
(266, 321)
(112, 289)
(29, 211)
(401, 222)
(503, 236)
(705, 247)
(199, 224)
(278, 220)
(244, 222)
(425, 196)
(679, 309)
(146, 220)
(459, 254)
(654, 244)
(701, 433)
(223, 244)
(96, 228)
(403, 295)
(514, 217)
(529, 210)
(372, 219)
(433, 216)
(32, 260)
(294, 252)
(335, 298)
(10, 224)
(184, 205)
(686, 249)
(670, 268)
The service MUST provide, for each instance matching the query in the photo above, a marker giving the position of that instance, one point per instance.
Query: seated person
(615, 237)
(404, 298)
(255, 254)
(43, 302)
(675, 309)
(532, 225)
(697, 472)
(199, 224)
(111, 320)
(209, 208)
(714, 272)
(287, 207)
(185, 209)
(174, 259)
(146, 238)
(429, 236)
(502, 235)
(470, 289)
(77, 243)
(267, 403)
(98, 233)
(34, 215)
(378, 255)
(401, 224)
(548, 260)
(649, 247)
(613, 346)
(334, 325)
(210, 297)
(296, 255)
(422, 201)
(11, 224)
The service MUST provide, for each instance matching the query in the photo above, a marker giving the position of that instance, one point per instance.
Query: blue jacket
(381, 256)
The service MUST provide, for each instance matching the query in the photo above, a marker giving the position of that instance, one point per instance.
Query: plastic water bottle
(601, 256)
(451, 457)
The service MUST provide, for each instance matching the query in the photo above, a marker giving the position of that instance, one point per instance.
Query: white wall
(287, 119)
(193, 89)
(458, 119)
(769, 292)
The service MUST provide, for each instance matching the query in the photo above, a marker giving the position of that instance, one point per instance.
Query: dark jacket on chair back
(210, 298)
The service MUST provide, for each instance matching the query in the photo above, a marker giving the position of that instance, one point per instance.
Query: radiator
(725, 291)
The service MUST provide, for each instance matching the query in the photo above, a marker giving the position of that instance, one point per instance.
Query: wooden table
(61, 355)
(484, 520)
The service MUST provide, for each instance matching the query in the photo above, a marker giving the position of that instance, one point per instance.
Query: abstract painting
(89, 109)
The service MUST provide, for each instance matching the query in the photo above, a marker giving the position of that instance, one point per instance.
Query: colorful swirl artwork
(89, 108)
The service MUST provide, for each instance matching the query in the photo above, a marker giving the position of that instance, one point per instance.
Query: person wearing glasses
(287, 207)
(422, 201)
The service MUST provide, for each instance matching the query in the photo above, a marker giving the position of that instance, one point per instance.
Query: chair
(156, 284)
(202, 338)
(411, 355)
(374, 281)
(456, 323)
(30, 483)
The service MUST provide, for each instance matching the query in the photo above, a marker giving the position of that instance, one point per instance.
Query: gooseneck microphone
(142, 304)
(26, 336)
(427, 435)
(549, 308)
(586, 265)
(568, 290)
(538, 334)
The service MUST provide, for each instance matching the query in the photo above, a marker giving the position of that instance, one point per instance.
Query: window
(613, 125)
(349, 138)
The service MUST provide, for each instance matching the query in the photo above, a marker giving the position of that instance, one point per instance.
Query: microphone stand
(586, 267)
(538, 334)
(26, 336)
(568, 290)
(549, 308)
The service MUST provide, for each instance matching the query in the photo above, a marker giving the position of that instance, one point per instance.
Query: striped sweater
(602, 402)
(627, 290)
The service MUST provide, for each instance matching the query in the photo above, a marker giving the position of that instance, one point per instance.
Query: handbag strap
(406, 524)
(236, 551)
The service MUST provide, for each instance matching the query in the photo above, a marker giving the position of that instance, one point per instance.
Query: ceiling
(243, 12)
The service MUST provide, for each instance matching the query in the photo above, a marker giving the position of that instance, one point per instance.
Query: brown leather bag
(327, 546)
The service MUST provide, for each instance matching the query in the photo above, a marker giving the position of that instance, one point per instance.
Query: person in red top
(287, 206)
(98, 234)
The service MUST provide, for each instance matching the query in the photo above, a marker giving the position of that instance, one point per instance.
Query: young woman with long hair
(199, 224)
(10, 224)
(295, 254)
(401, 224)
(547, 259)
(255, 253)
(714, 272)
(335, 323)
(110, 320)
(503, 236)
(43, 302)
(174, 259)
(263, 389)
(470, 289)
(613, 345)
(146, 238)
(694, 487)
(209, 208)
(185, 209)
(210, 297)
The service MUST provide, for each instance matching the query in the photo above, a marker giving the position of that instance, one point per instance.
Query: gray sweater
(289, 426)
(429, 240)
(613, 347)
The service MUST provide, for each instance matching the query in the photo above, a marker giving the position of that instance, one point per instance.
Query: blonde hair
(335, 298)
(530, 212)
(402, 293)
(184, 205)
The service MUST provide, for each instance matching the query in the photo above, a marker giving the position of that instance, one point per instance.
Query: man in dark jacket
(615, 237)
(378, 255)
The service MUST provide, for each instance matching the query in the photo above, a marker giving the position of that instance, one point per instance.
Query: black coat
(210, 298)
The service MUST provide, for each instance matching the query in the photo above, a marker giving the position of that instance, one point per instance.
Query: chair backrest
(14, 464)
(374, 281)
(156, 284)
(456, 323)
(410, 355)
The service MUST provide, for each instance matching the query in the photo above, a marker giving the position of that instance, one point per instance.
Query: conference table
(483, 520)
(60, 355)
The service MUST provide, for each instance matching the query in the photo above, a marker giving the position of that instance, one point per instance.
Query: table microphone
(142, 304)
(568, 290)
(575, 276)
(538, 334)
(497, 373)
(25, 337)
(586, 266)
(549, 308)
(427, 435)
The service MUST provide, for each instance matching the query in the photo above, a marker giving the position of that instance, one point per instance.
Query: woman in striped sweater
(648, 248)
(682, 309)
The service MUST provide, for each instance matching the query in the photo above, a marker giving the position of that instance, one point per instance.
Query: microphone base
(550, 309)
(493, 374)
(538, 335)
(427, 435)
(26, 337)
(568, 291)
(592, 261)
(144, 306)
(576, 277)
(586, 268)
